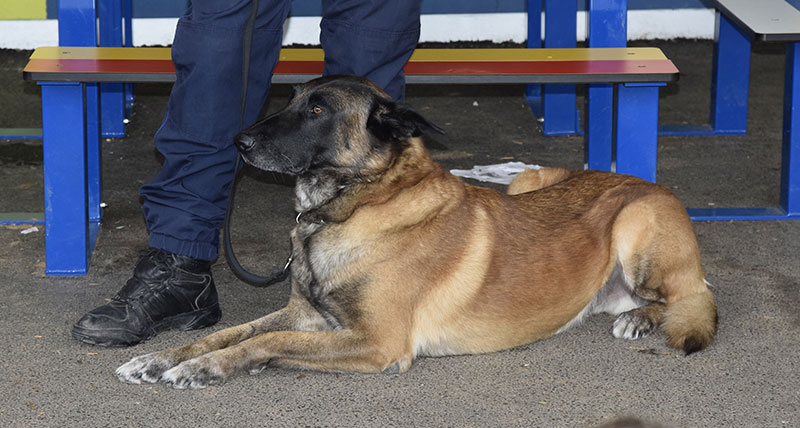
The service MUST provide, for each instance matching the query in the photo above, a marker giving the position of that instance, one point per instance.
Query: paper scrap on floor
(499, 173)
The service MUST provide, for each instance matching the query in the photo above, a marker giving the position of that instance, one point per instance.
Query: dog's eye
(316, 110)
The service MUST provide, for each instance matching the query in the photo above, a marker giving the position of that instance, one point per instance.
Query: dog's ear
(392, 121)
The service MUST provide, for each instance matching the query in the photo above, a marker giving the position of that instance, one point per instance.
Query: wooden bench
(738, 23)
(71, 138)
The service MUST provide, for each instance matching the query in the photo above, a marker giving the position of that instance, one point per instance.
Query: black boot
(167, 291)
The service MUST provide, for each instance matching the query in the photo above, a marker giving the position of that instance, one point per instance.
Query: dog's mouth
(265, 157)
(274, 163)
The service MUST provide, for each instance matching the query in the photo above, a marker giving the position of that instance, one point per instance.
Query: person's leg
(185, 203)
(370, 38)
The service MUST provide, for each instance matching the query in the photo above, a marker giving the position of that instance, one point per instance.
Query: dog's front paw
(148, 368)
(196, 373)
(632, 326)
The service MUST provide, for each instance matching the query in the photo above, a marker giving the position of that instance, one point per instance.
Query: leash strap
(238, 270)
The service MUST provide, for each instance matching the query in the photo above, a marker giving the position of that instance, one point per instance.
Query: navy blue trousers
(185, 203)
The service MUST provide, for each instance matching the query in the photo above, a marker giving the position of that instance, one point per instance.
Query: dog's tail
(690, 323)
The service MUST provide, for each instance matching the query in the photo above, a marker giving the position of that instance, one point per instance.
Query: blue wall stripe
(170, 9)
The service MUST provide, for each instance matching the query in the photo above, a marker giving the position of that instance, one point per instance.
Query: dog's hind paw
(148, 368)
(632, 326)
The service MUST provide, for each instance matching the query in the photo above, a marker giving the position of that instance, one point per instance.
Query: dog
(394, 258)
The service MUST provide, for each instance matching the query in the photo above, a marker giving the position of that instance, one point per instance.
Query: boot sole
(186, 321)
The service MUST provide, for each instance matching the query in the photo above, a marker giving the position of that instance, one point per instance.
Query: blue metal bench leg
(93, 150)
(607, 28)
(731, 74)
(790, 165)
(559, 101)
(533, 93)
(599, 127)
(112, 95)
(729, 86)
(65, 191)
(127, 35)
(637, 129)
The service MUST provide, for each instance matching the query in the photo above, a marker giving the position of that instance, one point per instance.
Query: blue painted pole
(730, 78)
(559, 101)
(93, 155)
(533, 93)
(77, 21)
(608, 28)
(637, 129)
(71, 147)
(65, 189)
(127, 35)
(790, 160)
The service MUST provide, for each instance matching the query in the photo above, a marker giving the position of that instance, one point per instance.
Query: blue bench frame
(70, 178)
(72, 160)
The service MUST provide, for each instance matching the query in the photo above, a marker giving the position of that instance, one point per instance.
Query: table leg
(790, 160)
(731, 78)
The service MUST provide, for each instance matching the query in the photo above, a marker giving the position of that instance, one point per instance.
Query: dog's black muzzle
(244, 142)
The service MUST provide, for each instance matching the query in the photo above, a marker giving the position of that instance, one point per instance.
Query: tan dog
(395, 258)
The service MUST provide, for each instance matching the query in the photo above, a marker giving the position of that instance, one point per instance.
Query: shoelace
(161, 259)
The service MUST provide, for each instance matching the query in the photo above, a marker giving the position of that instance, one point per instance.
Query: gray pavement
(581, 378)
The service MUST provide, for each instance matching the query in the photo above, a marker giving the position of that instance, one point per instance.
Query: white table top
(770, 20)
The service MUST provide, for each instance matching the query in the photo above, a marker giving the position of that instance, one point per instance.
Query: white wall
(646, 24)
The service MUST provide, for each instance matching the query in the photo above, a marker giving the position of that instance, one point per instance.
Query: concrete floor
(581, 378)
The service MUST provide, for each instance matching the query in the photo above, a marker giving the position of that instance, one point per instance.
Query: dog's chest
(320, 270)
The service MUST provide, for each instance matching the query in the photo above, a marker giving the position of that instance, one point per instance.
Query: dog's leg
(535, 179)
(297, 315)
(333, 350)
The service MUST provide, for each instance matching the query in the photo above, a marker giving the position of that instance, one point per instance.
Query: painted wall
(23, 9)
(35, 9)
(158, 8)
(22, 25)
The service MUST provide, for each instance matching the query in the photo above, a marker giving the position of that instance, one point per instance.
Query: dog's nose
(245, 142)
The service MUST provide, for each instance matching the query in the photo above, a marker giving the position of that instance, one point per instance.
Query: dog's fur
(394, 258)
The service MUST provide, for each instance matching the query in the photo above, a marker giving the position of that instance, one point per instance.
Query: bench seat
(452, 66)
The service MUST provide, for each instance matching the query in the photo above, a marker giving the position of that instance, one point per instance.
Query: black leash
(238, 270)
